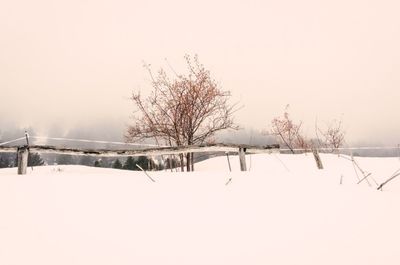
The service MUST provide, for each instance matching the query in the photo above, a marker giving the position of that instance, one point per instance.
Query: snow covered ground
(283, 211)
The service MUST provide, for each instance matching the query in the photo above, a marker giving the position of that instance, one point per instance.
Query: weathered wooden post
(242, 158)
(317, 158)
(22, 159)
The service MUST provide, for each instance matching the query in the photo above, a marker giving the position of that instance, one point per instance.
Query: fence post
(22, 153)
(242, 158)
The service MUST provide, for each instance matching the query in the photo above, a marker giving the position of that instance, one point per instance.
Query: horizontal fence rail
(343, 148)
(153, 151)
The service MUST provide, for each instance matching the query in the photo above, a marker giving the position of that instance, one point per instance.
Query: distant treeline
(127, 163)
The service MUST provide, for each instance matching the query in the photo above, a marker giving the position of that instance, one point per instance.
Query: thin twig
(144, 171)
(229, 162)
(362, 171)
(394, 175)
(364, 178)
(229, 181)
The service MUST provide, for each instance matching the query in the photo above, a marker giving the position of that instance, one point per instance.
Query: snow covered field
(284, 211)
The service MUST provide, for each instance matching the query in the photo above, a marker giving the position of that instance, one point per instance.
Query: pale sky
(77, 62)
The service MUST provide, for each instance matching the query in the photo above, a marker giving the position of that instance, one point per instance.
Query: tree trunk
(182, 162)
(170, 162)
(188, 162)
(317, 158)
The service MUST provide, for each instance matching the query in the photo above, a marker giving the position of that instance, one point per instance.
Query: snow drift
(284, 211)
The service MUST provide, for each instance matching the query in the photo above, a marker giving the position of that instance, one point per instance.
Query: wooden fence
(241, 150)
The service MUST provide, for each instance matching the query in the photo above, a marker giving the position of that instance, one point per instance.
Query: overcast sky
(72, 63)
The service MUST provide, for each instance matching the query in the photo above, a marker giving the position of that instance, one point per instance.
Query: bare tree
(333, 135)
(183, 110)
(289, 132)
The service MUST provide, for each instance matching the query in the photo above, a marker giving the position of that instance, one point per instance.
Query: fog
(68, 68)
